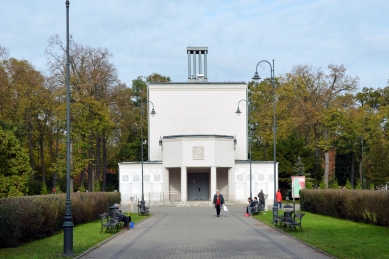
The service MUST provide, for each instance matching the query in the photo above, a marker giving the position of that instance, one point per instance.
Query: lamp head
(238, 112)
(153, 112)
(256, 77)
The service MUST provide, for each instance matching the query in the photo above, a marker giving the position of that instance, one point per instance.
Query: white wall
(197, 108)
(130, 180)
(218, 151)
(262, 178)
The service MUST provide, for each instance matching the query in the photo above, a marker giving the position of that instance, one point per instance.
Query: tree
(319, 96)
(14, 167)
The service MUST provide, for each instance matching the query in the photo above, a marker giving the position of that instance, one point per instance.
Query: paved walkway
(197, 233)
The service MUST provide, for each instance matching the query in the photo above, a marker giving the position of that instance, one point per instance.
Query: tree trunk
(98, 141)
(29, 129)
(42, 160)
(104, 140)
(317, 154)
(326, 167)
(90, 169)
(352, 170)
(326, 160)
(82, 178)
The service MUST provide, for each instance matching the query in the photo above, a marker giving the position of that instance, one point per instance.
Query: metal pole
(142, 202)
(250, 136)
(68, 223)
(275, 205)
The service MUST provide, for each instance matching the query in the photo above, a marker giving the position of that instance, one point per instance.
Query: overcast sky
(151, 36)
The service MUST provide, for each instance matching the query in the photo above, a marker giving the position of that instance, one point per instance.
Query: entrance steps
(196, 203)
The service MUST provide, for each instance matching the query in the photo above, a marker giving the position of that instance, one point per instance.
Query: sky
(151, 36)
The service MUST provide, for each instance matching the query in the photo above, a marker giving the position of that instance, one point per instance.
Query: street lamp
(68, 223)
(142, 202)
(238, 112)
(256, 79)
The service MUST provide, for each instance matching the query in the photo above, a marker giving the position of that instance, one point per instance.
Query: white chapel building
(196, 144)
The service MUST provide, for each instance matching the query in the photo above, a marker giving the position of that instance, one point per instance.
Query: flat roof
(199, 136)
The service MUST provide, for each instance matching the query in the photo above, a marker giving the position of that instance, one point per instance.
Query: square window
(125, 178)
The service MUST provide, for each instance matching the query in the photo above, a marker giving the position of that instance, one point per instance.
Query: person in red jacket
(279, 198)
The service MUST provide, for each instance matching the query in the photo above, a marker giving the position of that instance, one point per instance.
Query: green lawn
(340, 238)
(84, 237)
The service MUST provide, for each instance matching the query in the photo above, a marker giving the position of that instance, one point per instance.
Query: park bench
(108, 223)
(293, 221)
(257, 209)
(113, 215)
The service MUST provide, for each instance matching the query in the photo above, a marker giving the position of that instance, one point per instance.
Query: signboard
(298, 183)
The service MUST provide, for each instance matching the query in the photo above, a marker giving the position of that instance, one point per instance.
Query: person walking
(218, 200)
(279, 198)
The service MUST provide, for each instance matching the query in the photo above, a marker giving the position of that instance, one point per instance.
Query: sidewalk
(197, 233)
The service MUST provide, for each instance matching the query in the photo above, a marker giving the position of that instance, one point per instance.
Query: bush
(357, 205)
(23, 219)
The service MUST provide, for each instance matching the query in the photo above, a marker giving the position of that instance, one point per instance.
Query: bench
(257, 210)
(281, 219)
(108, 223)
(295, 222)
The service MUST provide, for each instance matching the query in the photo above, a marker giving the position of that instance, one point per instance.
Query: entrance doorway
(198, 186)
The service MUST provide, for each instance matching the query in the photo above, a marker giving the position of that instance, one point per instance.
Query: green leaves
(14, 168)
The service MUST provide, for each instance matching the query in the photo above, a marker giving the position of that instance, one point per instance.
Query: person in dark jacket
(117, 213)
(250, 206)
(218, 200)
(261, 197)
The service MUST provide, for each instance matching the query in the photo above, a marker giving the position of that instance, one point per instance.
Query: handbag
(225, 208)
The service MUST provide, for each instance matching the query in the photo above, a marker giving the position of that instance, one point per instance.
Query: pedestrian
(279, 198)
(218, 200)
(261, 197)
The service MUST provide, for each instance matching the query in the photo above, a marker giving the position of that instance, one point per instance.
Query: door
(198, 186)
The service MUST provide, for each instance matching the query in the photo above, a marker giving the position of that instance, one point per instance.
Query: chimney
(194, 52)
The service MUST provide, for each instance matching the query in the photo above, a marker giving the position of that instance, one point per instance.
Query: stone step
(194, 203)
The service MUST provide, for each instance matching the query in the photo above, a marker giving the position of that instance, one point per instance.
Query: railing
(151, 197)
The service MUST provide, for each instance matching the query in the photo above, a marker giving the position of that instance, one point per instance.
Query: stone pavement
(196, 232)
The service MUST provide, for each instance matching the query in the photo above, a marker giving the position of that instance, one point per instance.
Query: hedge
(358, 205)
(23, 219)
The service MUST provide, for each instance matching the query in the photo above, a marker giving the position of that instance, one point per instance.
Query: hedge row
(23, 219)
(357, 205)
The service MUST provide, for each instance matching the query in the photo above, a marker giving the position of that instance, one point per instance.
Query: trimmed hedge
(358, 205)
(23, 219)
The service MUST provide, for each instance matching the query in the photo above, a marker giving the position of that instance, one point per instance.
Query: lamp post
(238, 112)
(256, 78)
(68, 223)
(142, 202)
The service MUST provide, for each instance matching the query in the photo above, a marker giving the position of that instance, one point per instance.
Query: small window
(135, 178)
(157, 178)
(125, 178)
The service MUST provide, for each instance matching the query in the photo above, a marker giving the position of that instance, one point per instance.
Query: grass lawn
(340, 238)
(84, 237)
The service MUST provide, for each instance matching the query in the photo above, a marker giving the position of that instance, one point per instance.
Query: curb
(106, 240)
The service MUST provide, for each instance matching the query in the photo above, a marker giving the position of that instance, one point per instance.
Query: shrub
(23, 219)
(357, 205)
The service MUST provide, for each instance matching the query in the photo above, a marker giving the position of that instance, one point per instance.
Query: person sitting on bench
(117, 213)
(250, 207)
(255, 202)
